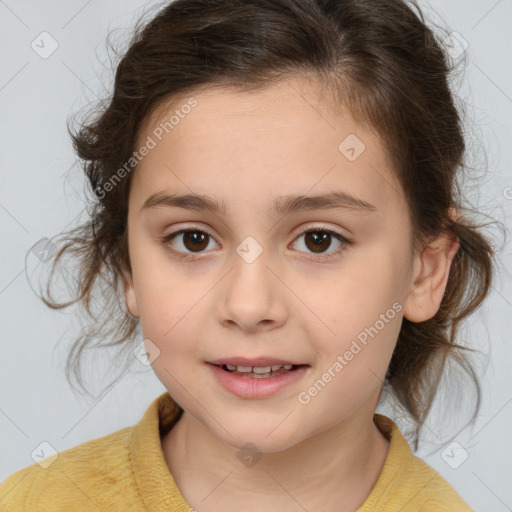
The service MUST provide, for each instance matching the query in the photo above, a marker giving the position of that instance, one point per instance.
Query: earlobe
(430, 277)
(129, 293)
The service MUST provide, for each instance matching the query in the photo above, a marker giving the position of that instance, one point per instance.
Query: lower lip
(250, 387)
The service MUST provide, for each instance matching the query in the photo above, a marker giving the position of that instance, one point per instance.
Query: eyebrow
(282, 205)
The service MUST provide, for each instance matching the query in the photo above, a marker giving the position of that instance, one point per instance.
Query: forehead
(285, 138)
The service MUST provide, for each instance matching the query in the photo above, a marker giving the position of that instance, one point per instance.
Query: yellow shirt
(126, 471)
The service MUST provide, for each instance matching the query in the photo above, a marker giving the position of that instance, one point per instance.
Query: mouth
(257, 378)
(259, 371)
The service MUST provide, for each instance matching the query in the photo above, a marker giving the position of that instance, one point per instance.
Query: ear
(129, 294)
(431, 270)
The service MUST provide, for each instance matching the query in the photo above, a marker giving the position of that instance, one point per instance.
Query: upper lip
(260, 361)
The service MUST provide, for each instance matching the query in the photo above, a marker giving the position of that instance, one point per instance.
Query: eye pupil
(197, 238)
(318, 240)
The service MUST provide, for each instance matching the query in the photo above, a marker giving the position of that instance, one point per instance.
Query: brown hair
(378, 59)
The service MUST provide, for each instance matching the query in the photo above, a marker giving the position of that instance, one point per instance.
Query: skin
(247, 148)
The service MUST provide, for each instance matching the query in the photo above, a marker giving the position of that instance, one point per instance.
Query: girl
(276, 210)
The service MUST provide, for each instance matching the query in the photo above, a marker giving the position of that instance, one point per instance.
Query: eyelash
(317, 229)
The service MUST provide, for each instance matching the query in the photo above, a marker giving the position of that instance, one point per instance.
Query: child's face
(246, 150)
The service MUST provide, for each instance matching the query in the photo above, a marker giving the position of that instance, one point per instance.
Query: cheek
(164, 294)
(170, 321)
(352, 368)
(361, 313)
(170, 316)
(356, 297)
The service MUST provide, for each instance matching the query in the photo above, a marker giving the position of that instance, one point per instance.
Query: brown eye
(188, 241)
(195, 240)
(318, 240)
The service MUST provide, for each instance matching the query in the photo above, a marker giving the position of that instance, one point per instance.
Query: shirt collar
(156, 485)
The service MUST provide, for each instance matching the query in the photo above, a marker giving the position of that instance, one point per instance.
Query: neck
(333, 470)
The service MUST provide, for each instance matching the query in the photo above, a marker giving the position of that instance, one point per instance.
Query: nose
(252, 296)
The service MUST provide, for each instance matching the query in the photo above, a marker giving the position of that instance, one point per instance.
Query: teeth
(261, 369)
(258, 369)
(246, 369)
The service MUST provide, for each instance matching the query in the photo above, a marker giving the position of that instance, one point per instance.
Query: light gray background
(41, 193)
